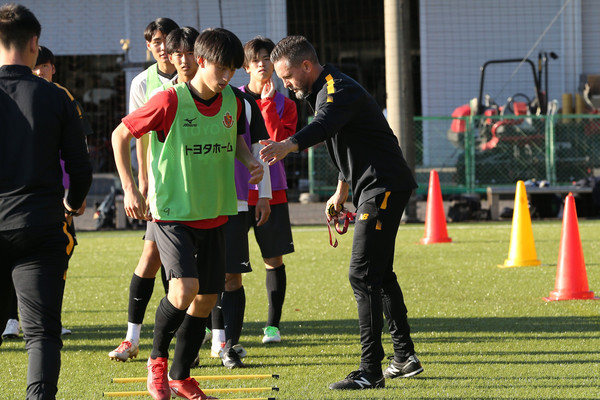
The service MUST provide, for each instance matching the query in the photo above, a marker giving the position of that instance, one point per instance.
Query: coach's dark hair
(17, 26)
(295, 49)
(165, 25)
(218, 45)
(254, 46)
(45, 56)
(181, 40)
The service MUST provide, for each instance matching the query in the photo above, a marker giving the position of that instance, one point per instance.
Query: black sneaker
(231, 359)
(410, 367)
(359, 380)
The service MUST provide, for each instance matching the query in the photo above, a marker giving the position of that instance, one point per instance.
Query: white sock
(133, 333)
(218, 337)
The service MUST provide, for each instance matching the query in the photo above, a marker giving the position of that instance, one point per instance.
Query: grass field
(481, 332)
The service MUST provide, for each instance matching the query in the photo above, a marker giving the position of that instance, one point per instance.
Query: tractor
(509, 139)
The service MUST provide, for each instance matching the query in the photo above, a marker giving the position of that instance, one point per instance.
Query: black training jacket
(38, 125)
(359, 139)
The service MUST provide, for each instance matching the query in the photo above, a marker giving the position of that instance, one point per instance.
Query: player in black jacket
(38, 122)
(364, 149)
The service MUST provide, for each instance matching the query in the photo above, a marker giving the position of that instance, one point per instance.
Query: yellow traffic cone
(522, 247)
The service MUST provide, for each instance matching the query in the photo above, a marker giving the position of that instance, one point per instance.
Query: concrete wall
(96, 26)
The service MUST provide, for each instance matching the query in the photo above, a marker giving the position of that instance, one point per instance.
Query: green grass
(482, 332)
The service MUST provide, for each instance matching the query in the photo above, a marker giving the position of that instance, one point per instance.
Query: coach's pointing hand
(276, 151)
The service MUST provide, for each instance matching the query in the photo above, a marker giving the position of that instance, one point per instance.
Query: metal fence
(472, 153)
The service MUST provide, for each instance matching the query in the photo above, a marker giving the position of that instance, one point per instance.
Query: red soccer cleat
(188, 389)
(158, 382)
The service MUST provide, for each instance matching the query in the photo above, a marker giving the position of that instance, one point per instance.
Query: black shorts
(236, 233)
(192, 253)
(149, 235)
(274, 237)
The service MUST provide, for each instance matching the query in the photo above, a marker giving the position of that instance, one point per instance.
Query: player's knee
(182, 291)
(273, 262)
(233, 282)
(203, 305)
(149, 263)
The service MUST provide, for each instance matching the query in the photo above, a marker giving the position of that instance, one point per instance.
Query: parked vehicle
(510, 139)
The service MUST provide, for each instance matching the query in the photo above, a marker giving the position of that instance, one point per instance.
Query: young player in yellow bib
(191, 191)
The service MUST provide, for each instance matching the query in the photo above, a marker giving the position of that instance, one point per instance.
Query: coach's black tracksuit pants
(37, 259)
(373, 280)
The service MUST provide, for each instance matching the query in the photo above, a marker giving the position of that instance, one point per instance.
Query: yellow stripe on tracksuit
(79, 111)
(71, 243)
(330, 88)
(383, 207)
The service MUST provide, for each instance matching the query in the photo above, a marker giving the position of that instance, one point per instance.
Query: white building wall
(91, 27)
(459, 36)
(590, 20)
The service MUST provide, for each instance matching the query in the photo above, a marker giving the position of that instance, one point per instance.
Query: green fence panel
(472, 153)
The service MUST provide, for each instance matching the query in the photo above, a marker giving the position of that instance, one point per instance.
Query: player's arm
(137, 98)
(258, 131)
(150, 117)
(263, 208)
(242, 152)
(243, 155)
(134, 202)
(74, 153)
(279, 128)
(141, 152)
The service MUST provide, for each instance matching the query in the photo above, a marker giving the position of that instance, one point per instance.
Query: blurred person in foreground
(40, 125)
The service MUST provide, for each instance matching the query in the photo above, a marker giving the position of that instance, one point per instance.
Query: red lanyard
(343, 218)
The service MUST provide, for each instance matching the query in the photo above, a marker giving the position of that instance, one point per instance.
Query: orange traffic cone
(435, 219)
(522, 247)
(571, 277)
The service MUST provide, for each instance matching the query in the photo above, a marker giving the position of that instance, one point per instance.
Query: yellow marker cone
(522, 247)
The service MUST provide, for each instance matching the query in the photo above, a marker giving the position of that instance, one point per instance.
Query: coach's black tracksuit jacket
(38, 124)
(359, 140)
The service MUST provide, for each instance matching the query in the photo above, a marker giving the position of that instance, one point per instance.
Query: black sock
(13, 310)
(276, 283)
(234, 305)
(209, 322)
(168, 319)
(216, 315)
(189, 338)
(140, 292)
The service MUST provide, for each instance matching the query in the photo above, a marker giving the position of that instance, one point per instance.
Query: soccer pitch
(481, 332)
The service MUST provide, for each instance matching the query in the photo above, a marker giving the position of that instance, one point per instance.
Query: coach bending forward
(364, 149)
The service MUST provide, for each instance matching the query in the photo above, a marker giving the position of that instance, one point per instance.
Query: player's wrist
(70, 211)
(293, 145)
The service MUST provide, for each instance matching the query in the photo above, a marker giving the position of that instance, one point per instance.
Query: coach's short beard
(301, 94)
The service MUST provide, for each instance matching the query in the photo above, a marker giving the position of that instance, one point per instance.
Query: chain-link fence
(471, 153)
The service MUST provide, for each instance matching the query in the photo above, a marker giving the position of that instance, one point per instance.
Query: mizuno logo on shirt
(189, 122)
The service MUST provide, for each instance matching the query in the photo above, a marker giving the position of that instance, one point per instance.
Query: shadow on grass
(345, 331)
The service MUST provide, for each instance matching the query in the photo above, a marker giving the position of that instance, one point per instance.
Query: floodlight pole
(398, 83)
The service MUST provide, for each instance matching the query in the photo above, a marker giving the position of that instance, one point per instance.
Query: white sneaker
(65, 331)
(217, 352)
(125, 351)
(240, 350)
(12, 329)
(272, 335)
